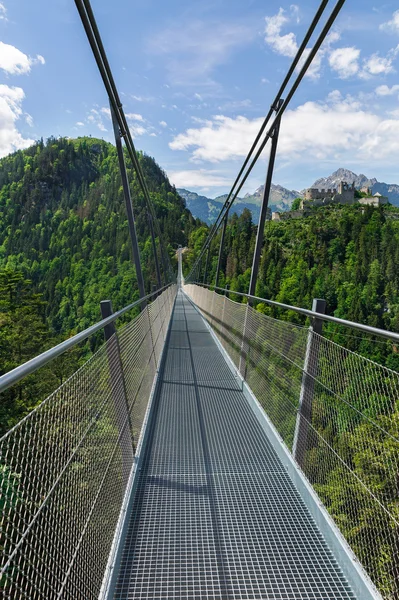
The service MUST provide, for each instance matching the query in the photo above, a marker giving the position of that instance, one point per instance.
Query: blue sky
(196, 79)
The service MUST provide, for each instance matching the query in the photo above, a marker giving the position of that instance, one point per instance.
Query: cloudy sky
(197, 78)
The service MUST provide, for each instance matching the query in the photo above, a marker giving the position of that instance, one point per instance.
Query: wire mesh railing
(65, 467)
(338, 414)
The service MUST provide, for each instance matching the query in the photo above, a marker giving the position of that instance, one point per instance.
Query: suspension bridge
(207, 449)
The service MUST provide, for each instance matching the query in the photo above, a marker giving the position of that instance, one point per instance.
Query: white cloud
(286, 45)
(338, 128)
(137, 130)
(379, 65)
(393, 24)
(15, 62)
(134, 117)
(201, 121)
(106, 111)
(95, 118)
(3, 12)
(295, 12)
(383, 141)
(200, 178)
(163, 123)
(220, 139)
(97, 115)
(80, 124)
(323, 129)
(345, 61)
(235, 104)
(29, 119)
(281, 44)
(192, 50)
(11, 99)
(384, 90)
(314, 68)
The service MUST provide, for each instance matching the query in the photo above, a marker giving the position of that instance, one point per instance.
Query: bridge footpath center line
(216, 514)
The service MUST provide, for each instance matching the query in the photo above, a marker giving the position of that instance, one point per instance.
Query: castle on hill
(345, 194)
(315, 197)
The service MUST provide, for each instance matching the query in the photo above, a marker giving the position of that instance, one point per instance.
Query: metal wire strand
(307, 62)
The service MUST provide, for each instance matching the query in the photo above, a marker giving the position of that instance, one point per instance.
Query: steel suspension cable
(125, 130)
(228, 203)
(274, 104)
(93, 35)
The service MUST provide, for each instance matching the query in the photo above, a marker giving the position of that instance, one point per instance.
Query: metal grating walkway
(215, 514)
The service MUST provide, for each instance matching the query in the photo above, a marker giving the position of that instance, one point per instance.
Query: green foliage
(296, 204)
(346, 255)
(63, 225)
(64, 247)
(23, 334)
(359, 194)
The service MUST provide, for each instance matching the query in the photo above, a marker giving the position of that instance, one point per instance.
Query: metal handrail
(32, 365)
(309, 313)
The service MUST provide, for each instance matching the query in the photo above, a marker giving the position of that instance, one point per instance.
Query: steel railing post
(119, 393)
(152, 341)
(221, 249)
(223, 328)
(206, 264)
(212, 308)
(199, 270)
(244, 345)
(310, 371)
(154, 250)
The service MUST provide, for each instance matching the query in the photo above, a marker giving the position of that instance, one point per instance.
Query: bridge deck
(216, 515)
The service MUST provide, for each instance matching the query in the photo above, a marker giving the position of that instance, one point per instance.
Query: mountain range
(207, 209)
(281, 199)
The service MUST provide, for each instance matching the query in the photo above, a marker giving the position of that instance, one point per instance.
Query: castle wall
(347, 197)
(315, 193)
(374, 201)
(284, 216)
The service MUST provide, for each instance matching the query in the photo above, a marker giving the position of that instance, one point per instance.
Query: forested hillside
(347, 255)
(64, 247)
(63, 225)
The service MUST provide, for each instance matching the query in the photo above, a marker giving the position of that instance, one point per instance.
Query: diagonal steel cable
(94, 37)
(233, 195)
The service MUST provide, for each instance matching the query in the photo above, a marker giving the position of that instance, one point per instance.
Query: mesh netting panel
(337, 412)
(65, 467)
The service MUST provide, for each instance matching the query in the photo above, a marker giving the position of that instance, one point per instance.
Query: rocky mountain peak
(333, 180)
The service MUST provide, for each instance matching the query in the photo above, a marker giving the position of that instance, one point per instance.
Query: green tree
(296, 204)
